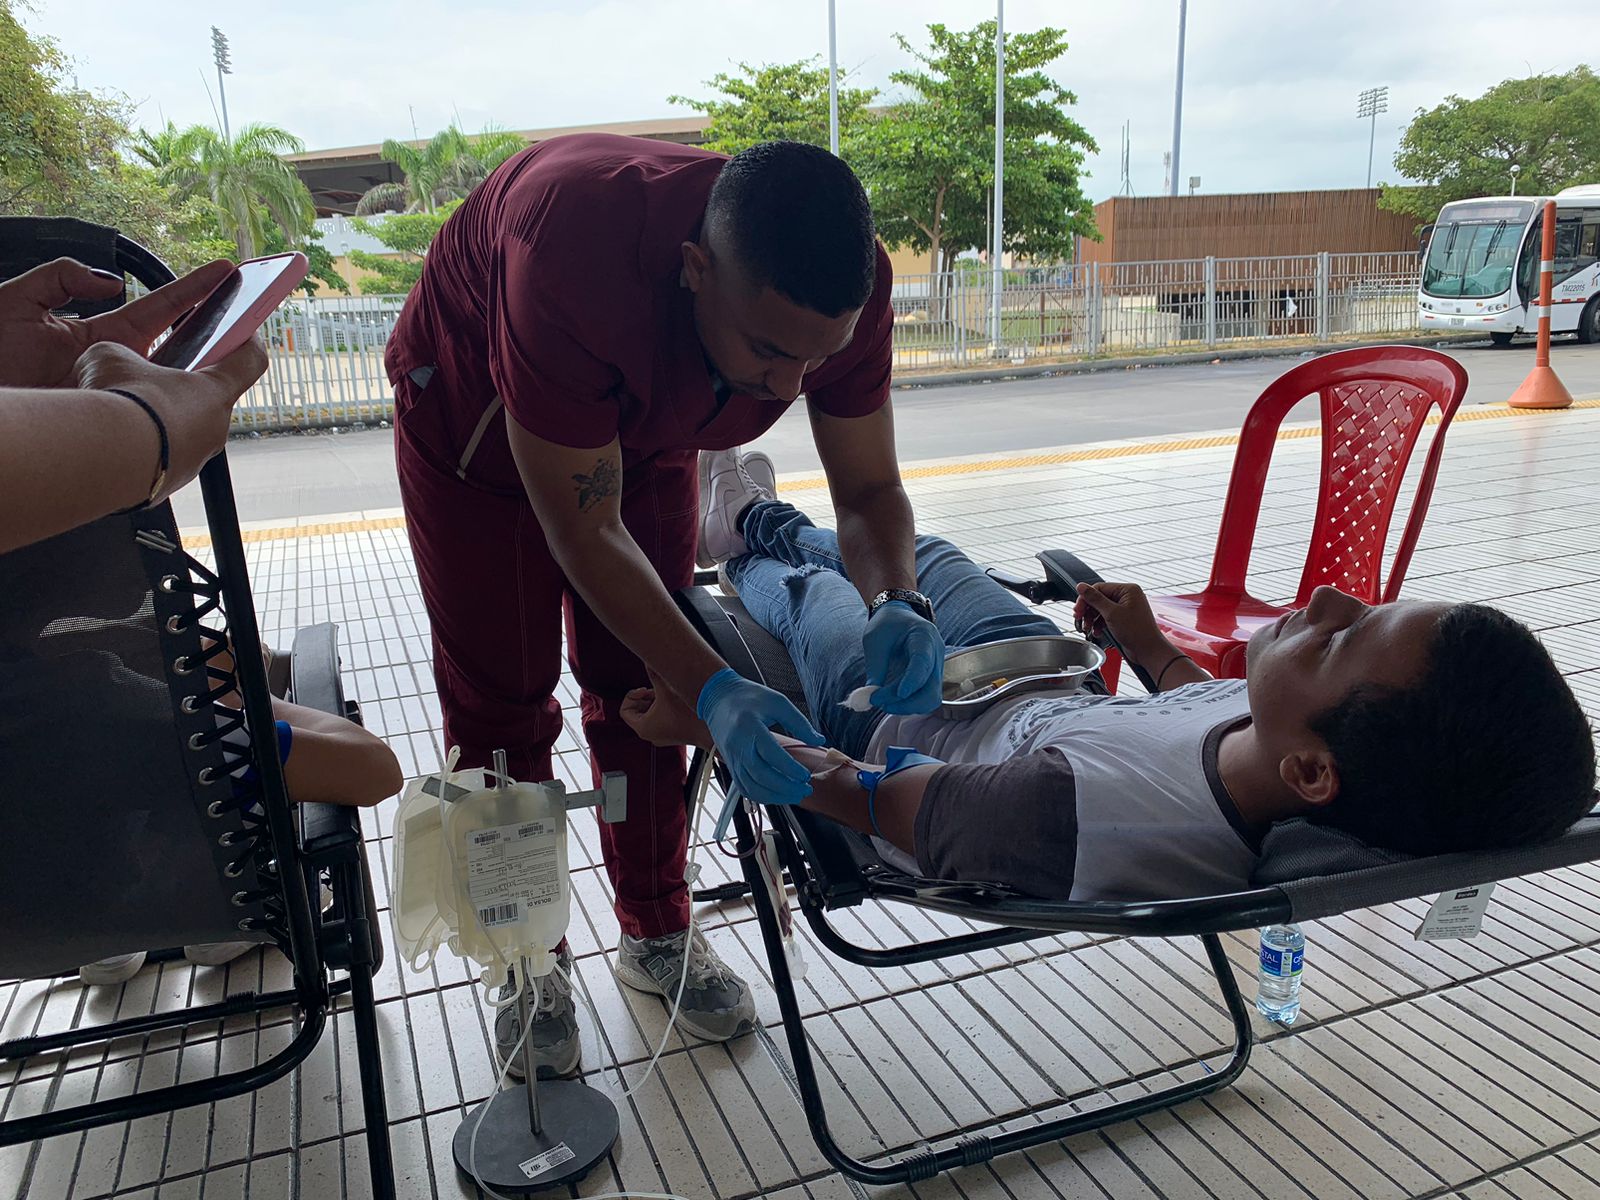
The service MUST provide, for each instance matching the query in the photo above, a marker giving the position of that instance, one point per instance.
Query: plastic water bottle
(1283, 950)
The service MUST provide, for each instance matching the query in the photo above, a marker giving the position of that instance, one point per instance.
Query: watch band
(919, 602)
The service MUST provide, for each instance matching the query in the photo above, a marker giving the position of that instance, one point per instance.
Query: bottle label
(1284, 964)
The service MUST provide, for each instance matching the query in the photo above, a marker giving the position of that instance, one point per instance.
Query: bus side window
(1569, 261)
(1589, 241)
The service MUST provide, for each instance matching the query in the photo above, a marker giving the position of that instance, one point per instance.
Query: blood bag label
(512, 868)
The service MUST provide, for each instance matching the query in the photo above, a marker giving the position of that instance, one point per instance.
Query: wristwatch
(916, 600)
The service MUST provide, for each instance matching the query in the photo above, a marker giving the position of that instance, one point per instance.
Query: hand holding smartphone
(230, 316)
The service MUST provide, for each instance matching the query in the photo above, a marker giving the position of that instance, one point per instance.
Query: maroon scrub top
(557, 287)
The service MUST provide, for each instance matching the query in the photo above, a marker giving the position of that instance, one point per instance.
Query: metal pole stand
(535, 1135)
(541, 1135)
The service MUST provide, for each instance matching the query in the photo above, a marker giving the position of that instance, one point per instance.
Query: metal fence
(327, 353)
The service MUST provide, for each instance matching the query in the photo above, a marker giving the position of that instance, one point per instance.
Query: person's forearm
(68, 457)
(877, 539)
(836, 793)
(616, 580)
(1166, 664)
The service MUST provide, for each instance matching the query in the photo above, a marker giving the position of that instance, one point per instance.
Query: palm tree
(447, 167)
(424, 168)
(157, 149)
(479, 155)
(245, 179)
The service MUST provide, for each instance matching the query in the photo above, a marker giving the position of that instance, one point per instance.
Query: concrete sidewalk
(1462, 1069)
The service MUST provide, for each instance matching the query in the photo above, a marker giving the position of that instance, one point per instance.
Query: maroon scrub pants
(496, 599)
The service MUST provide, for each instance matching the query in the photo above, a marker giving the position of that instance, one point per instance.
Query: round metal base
(579, 1123)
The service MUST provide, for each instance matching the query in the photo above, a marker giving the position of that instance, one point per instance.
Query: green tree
(245, 179)
(408, 235)
(158, 150)
(60, 154)
(446, 167)
(1548, 125)
(928, 162)
(778, 102)
(322, 268)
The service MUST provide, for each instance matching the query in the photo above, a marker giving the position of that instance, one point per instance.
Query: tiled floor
(1419, 1069)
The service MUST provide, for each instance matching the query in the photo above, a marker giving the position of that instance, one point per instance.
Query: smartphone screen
(231, 314)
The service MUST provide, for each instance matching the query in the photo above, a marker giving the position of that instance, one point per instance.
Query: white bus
(1481, 268)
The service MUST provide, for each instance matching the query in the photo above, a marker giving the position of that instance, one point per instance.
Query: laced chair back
(132, 813)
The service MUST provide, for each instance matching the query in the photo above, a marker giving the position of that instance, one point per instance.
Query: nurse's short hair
(797, 220)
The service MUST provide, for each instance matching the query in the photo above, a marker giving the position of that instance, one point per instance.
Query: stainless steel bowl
(979, 677)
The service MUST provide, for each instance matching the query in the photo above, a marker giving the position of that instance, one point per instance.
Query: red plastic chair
(1374, 402)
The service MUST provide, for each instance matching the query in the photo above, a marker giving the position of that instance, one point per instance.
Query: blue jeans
(793, 583)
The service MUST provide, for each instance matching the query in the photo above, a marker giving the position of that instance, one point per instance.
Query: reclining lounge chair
(833, 868)
(136, 812)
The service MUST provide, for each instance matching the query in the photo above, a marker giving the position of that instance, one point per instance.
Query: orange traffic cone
(1543, 387)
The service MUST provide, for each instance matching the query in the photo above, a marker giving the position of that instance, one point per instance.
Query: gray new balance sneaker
(717, 1004)
(555, 1026)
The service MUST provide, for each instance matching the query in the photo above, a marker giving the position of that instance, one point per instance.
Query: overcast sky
(1269, 87)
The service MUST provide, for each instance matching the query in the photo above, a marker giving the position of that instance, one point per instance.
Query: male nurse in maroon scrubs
(600, 311)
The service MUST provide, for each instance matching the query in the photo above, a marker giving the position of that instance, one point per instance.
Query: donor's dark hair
(1488, 750)
(797, 219)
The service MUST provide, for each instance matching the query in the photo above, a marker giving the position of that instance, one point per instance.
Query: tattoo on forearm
(598, 485)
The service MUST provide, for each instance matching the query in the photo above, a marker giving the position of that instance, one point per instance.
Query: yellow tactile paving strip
(937, 471)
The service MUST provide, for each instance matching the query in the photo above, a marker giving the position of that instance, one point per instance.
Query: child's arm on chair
(335, 761)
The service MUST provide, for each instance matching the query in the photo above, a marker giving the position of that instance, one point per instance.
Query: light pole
(998, 231)
(219, 55)
(833, 81)
(1177, 98)
(1515, 171)
(1368, 105)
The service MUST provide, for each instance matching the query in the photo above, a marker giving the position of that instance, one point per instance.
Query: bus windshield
(1473, 251)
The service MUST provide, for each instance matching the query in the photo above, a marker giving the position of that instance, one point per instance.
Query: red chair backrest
(1374, 403)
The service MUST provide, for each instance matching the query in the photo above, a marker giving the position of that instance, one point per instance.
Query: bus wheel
(1500, 340)
(1589, 323)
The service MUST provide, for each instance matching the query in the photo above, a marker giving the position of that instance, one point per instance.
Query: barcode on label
(500, 914)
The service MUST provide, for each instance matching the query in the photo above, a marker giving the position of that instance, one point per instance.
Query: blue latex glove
(740, 713)
(904, 648)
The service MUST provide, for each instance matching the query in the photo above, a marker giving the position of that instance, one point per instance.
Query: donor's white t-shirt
(1084, 796)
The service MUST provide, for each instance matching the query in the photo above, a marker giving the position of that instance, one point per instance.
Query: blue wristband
(285, 734)
(900, 758)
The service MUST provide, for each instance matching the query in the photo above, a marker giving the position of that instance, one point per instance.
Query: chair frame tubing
(970, 1149)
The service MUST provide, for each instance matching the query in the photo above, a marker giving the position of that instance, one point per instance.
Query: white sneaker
(119, 968)
(214, 954)
(730, 482)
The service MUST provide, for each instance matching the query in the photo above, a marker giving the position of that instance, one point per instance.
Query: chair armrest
(328, 832)
(1065, 572)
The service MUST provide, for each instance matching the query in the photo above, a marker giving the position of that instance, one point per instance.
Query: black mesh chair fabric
(25, 242)
(108, 840)
(1324, 895)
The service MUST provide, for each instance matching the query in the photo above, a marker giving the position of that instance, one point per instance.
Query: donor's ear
(1312, 776)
